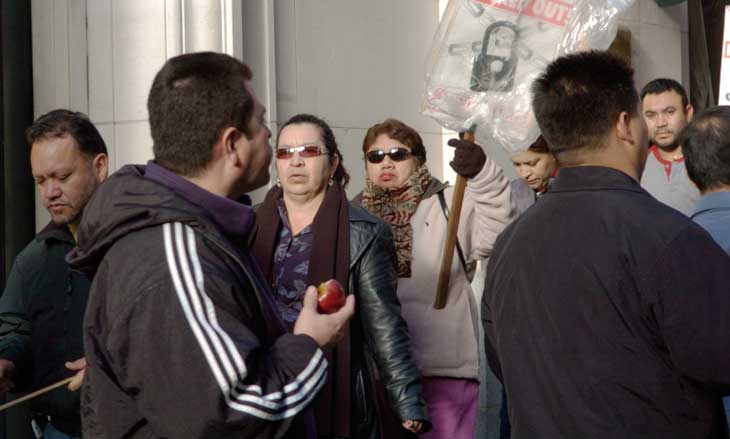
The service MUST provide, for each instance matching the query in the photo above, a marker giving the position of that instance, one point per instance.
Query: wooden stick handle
(452, 227)
(36, 393)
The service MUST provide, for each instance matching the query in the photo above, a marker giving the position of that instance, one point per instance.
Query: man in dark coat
(706, 148)
(43, 304)
(606, 312)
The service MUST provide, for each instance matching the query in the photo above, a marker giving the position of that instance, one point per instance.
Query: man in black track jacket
(181, 337)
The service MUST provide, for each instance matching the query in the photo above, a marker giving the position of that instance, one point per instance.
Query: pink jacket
(445, 341)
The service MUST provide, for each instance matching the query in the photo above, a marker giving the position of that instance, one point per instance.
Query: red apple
(330, 297)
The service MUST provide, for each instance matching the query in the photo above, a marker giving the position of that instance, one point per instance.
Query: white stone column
(659, 41)
(60, 75)
(355, 63)
(100, 56)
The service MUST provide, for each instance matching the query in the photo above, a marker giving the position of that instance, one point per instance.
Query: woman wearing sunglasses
(401, 190)
(307, 233)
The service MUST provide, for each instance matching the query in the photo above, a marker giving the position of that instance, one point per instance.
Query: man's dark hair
(59, 123)
(193, 98)
(706, 148)
(328, 138)
(579, 98)
(661, 85)
(540, 146)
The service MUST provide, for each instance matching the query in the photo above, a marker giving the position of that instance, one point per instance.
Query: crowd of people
(182, 311)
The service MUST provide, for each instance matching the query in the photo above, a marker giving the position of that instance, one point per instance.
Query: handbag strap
(445, 210)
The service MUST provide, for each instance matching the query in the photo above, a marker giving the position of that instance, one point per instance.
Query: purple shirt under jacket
(235, 219)
(291, 267)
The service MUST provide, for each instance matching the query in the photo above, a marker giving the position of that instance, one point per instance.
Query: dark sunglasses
(396, 154)
(287, 152)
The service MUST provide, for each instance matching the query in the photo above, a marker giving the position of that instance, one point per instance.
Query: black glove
(469, 158)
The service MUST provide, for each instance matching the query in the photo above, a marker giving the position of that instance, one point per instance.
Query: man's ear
(689, 112)
(228, 146)
(623, 128)
(100, 165)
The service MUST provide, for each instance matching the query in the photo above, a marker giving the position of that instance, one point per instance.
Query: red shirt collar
(655, 150)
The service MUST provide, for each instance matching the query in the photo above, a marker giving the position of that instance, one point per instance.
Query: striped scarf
(396, 207)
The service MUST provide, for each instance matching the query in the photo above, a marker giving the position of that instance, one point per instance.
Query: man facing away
(706, 147)
(181, 336)
(600, 326)
(666, 111)
(42, 308)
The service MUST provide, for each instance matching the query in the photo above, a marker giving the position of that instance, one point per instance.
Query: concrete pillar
(100, 56)
(659, 41)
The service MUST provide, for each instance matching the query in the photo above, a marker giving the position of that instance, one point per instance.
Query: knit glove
(469, 158)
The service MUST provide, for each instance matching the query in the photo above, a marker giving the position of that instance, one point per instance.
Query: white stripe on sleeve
(224, 359)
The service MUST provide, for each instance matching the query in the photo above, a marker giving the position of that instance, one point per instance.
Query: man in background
(706, 148)
(42, 307)
(667, 111)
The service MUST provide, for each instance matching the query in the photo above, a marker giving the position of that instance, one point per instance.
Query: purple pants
(452, 406)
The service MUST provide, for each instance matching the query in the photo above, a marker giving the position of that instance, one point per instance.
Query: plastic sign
(554, 12)
(487, 53)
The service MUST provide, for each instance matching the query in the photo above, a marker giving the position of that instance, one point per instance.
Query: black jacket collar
(590, 178)
(59, 232)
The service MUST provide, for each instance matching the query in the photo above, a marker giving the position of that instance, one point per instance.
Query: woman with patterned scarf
(307, 233)
(401, 190)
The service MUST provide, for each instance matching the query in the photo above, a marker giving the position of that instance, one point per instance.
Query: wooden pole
(452, 226)
(36, 393)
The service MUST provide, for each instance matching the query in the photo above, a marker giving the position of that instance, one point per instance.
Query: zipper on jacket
(67, 307)
(243, 268)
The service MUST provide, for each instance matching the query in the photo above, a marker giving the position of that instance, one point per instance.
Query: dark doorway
(706, 27)
(17, 206)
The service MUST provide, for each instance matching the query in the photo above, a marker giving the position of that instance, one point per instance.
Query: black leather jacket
(381, 331)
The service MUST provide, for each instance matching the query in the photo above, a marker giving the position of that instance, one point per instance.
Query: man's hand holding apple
(325, 329)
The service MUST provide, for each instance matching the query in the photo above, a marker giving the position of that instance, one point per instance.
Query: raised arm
(488, 206)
